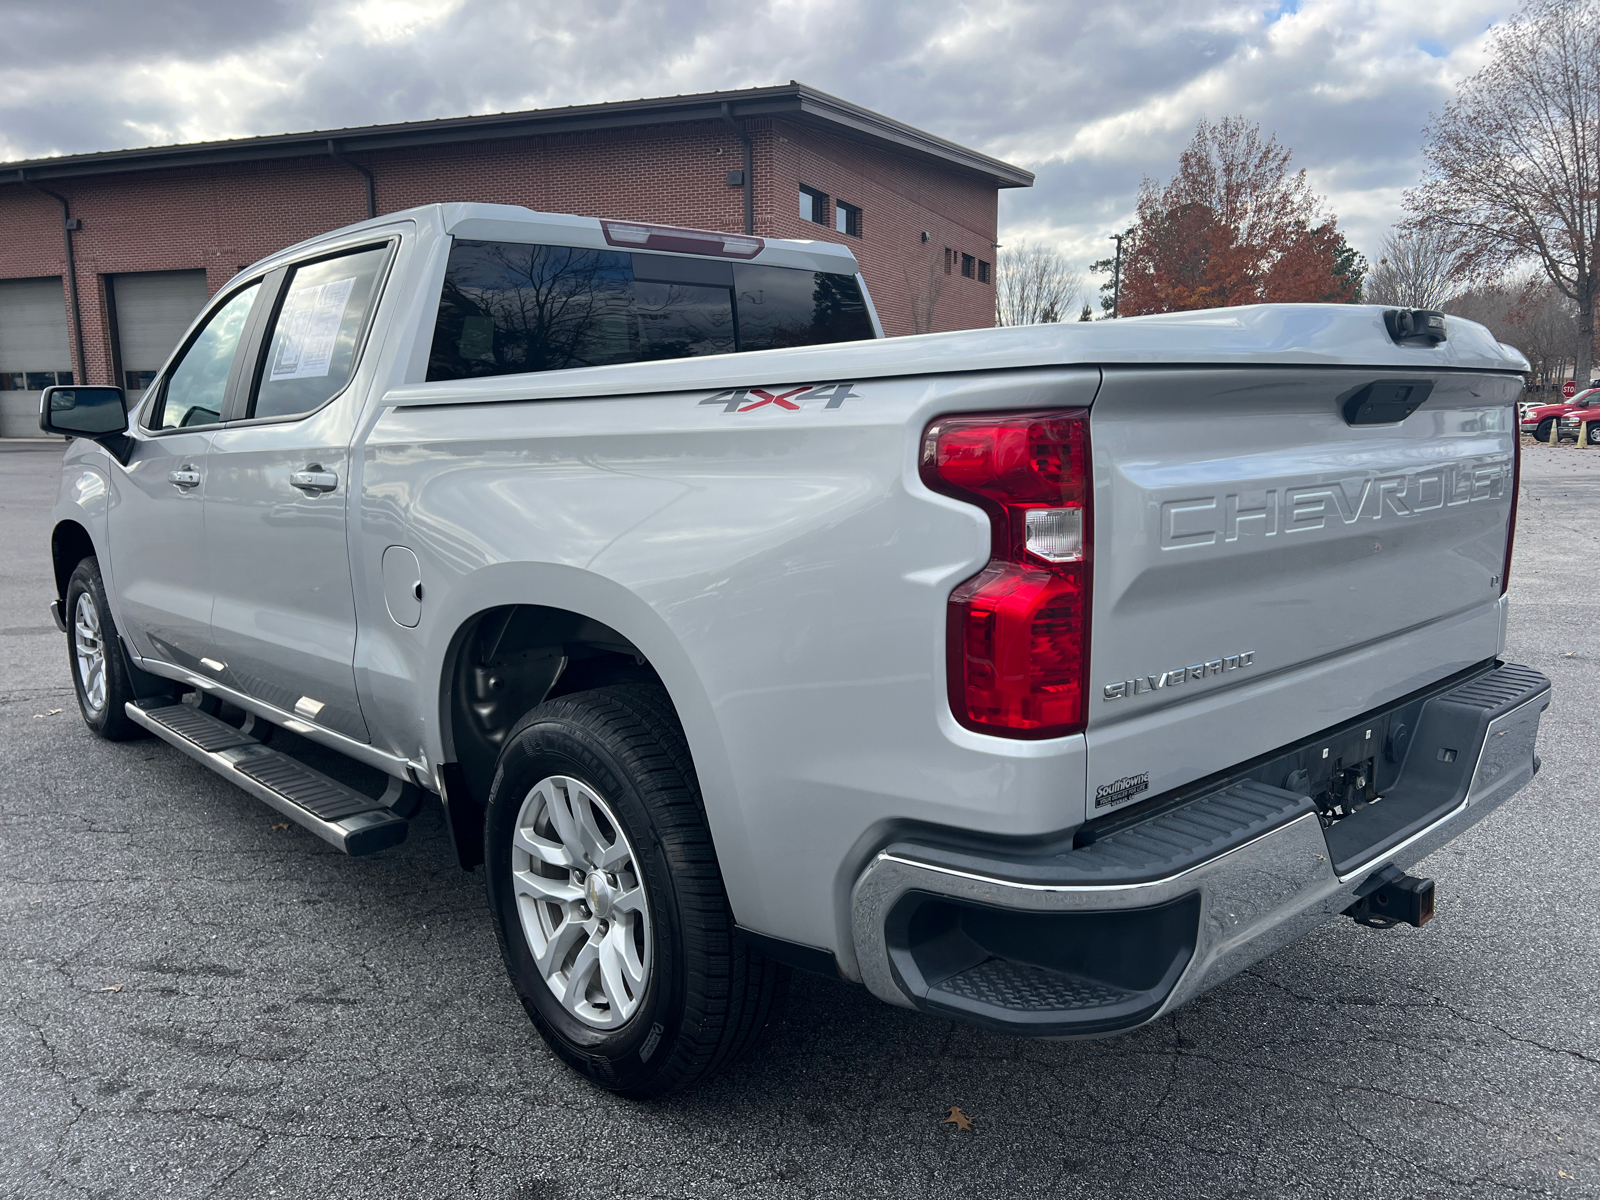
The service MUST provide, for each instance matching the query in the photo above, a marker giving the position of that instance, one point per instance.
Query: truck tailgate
(1265, 569)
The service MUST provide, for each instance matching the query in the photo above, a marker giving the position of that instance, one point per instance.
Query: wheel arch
(541, 612)
(70, 544)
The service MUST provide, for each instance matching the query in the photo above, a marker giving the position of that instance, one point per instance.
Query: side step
(341, 817)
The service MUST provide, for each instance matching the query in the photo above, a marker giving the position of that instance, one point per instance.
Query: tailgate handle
(1385, 401)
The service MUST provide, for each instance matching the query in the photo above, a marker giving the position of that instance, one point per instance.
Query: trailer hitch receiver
(1389, 896)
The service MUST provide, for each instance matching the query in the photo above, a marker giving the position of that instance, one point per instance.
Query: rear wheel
(99, 670)
(608, 901)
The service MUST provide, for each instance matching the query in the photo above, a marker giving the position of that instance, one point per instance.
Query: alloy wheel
(90, 648)
(582, 901)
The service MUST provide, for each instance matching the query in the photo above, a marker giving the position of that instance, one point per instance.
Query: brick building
(152, 232)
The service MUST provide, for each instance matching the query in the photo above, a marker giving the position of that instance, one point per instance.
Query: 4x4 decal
(748, 399)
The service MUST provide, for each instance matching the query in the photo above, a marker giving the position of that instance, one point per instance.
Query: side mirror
(98, 413)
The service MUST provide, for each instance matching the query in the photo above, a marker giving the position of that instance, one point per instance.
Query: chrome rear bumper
(1253, 899)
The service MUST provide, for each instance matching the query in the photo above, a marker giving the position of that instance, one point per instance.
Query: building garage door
(34, 351)
(153, 309)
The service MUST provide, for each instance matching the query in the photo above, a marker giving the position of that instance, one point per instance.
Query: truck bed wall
(784, 570)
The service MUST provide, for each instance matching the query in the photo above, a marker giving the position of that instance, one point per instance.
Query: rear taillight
(1019, 629)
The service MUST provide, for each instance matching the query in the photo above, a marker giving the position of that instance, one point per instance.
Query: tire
(685, 996)
(1544, 430)
(1594, 433)
(100, 671)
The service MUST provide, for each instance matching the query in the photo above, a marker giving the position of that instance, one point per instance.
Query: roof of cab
(513, 223)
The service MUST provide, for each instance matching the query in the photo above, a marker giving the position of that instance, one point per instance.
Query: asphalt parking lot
(193, 1003)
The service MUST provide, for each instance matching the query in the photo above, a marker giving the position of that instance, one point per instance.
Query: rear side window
(311, 349)
(509, 308)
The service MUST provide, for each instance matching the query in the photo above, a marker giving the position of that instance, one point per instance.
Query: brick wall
(224, 217)
(900, 199)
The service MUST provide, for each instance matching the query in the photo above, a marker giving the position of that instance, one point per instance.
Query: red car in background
(1540, 419)
(1588, 415)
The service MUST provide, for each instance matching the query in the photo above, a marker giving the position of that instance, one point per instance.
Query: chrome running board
(346, 819)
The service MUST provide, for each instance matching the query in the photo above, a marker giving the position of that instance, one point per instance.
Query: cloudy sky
(1090, 96)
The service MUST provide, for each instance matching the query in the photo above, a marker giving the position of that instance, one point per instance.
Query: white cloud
(1091, 96)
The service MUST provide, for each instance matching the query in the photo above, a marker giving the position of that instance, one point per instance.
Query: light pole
(1116, 277)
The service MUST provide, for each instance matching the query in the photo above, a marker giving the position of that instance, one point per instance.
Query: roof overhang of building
(794, 102)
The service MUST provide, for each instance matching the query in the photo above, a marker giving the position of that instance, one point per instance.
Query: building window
(813, 206)
(949, 257)
(137, 381)
(983, 271)
(33, 381)
(967, 265)
(847, 218)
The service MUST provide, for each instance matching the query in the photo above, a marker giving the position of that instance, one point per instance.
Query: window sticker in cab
(780, 398)
(309, 328)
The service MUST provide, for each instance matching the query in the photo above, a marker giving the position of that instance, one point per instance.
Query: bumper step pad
(1439, 765)
(1095, 936)
(1022, 987)
(342, 817)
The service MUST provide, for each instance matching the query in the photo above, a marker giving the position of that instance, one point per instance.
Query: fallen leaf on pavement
(957, 1118)
(115, 987)
(279, 828)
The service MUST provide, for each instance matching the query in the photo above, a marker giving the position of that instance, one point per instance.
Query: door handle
(315, 479)
(184, 477)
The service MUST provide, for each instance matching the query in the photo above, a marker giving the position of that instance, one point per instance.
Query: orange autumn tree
(1234, 226)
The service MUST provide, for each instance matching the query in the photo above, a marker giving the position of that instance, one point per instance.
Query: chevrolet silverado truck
(1040, 678)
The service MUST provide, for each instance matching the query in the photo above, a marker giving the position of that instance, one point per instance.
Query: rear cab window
(512, 307)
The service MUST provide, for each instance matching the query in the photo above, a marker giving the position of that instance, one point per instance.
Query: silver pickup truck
(1040, 678)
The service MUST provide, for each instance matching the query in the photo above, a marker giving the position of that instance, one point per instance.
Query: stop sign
(1569, 389)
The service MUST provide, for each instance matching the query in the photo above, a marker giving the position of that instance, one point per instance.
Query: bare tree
(1034, 285)
(1419, 268)
(1530, 314)
(1514, 163)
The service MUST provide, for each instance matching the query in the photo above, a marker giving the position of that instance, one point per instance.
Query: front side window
(311, 350)
(509, 308)
(198, 384)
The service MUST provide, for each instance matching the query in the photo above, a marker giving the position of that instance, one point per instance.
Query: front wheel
(99, 671)
(1545, 430)
(607, 898)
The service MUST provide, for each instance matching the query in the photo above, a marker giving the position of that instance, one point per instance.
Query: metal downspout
(372, 184)
(749, 169)
(80, 375)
